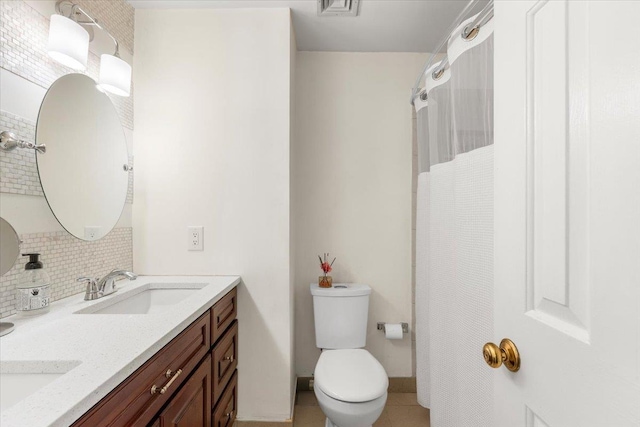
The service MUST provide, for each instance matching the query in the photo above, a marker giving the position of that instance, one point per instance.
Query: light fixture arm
(75, 10)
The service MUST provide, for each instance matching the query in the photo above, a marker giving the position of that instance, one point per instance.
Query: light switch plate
(195, 236)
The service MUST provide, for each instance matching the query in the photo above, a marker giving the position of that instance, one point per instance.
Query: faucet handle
(92, 288)
(90, 281)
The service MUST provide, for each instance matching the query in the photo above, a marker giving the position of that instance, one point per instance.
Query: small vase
(325, 281)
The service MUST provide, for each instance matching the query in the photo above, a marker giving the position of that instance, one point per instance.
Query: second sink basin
(148, 299)
(19, 380)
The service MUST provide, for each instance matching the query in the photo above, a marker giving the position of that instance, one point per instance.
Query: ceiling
(382, 25)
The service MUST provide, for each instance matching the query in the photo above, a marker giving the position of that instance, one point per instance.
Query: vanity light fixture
(69, 45)
(115, 75)
(68, 42)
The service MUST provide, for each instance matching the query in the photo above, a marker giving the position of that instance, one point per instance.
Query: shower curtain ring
(469, 34)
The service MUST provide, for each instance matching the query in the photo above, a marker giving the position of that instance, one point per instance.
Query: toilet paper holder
(405, 327)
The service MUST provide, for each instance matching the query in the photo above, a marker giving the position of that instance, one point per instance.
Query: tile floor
(402, 410)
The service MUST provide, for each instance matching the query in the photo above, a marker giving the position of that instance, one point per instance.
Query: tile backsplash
(65, 259)
(23, 40)
(117, 16)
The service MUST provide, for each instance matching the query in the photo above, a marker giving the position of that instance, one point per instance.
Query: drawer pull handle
(163, 390)
(229, 414)
(229, 358)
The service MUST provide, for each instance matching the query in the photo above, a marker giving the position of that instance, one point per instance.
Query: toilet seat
(350, 375)
(348, 414)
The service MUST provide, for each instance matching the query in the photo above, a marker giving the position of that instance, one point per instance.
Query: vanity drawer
(225, 413)
(132, 402)
(223, 314)
(225, 360)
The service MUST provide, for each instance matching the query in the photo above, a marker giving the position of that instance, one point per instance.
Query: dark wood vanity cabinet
(188, 383)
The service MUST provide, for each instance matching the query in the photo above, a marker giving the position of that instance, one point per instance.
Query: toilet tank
(340, 315)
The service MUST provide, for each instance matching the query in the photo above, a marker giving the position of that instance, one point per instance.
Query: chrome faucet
(98, 288)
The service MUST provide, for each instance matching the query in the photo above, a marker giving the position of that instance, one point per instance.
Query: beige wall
(352, 192)
(212, 149)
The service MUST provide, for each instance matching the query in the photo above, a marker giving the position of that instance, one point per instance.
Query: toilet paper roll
(393, 331)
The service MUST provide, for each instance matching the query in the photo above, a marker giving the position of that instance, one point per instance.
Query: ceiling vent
(338, 7)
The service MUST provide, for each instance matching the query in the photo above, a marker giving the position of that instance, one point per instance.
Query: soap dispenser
(32, 296)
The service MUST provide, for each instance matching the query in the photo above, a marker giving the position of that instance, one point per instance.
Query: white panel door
(567, 212)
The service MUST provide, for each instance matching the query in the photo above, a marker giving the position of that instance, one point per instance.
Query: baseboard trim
(303, 383)
(396, 384)
(402, 385)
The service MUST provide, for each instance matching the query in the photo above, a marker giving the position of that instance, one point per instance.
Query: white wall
(352, 189)
(212, 129)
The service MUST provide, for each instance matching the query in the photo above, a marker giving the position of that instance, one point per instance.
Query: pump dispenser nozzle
(34, 263)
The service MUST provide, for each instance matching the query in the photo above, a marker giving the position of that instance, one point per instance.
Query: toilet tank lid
(351, 375)
(341, 290)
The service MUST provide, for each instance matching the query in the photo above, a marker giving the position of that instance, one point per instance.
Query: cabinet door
(225, 361)
(225, 413)
(191, 406)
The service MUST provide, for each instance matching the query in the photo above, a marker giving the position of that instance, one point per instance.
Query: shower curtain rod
(469, 32)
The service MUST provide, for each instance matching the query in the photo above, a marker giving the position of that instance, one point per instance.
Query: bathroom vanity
(163, 352)
(184, 382)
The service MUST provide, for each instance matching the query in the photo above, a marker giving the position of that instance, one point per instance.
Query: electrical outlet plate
(195, 238)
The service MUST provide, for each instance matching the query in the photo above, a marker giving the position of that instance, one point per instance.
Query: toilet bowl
(351, 387)
(349, 383)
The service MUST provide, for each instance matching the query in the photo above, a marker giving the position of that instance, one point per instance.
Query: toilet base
(328, 423)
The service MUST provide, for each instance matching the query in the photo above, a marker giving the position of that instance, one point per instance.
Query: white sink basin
(148, 299)
(19, 380)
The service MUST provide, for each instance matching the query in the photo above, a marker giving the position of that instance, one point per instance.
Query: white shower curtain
(454, 236)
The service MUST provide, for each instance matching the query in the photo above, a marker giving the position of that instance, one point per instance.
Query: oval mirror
(84, 172)
(9, 246)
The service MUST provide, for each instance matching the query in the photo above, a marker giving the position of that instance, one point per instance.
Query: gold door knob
(506, 354)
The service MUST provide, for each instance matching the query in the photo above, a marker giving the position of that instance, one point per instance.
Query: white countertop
(106, 348)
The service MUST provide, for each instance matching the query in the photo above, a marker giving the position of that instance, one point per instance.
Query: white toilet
(350, 384)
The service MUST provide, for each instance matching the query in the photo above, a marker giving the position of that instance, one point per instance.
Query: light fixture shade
(68, 42)
(115, 75)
